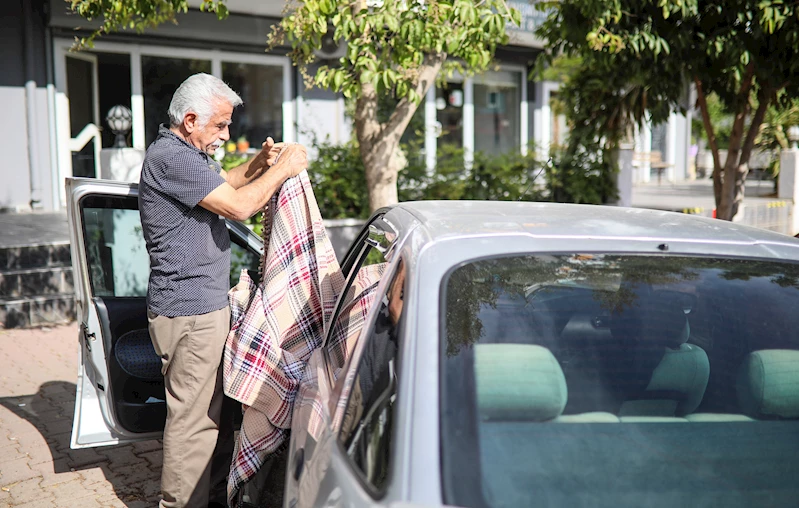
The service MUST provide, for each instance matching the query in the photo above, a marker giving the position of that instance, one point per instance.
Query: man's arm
(253, 168)
(246, 201)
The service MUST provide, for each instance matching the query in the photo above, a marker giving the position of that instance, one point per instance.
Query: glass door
(84, 116)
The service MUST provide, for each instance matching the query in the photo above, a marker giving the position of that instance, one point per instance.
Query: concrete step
(36, 282)
(35, 256)
(36, 311)
(36, 285)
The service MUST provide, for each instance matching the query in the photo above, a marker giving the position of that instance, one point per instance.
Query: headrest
(768, 384)
(656, 319)
(677, 385)
(518, 382)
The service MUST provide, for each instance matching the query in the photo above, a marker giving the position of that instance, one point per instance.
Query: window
(620, 380)
(241, 258)
(113, 74)
(366, 430)
(160, 78)
(117, 257)
(497, 110)
(261, 89)
(558, 128)
(449, 108)
(355, 302)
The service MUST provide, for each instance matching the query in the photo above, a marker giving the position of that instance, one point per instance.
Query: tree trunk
(764, 99)
(724, 202)
(379, 142)
(711, 136)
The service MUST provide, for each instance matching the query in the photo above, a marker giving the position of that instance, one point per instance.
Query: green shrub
(339, 182)
(508, 177)
(581, 175)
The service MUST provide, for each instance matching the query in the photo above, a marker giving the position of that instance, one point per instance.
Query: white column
(624, 179)
(643, 144)
(523, 117)
(289, 103)
(468, 122)
(671, 155)
(216, 64)
(431, 129)
(789, 183)
(137, 100)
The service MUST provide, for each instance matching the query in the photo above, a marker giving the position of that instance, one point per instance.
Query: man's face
(213, 134)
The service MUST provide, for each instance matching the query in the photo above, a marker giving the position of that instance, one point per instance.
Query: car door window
(116, 252)
(242, 258)
(363, 262)
(366, 430)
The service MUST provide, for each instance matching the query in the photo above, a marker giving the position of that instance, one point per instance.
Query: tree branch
(736, 135)
(731, 184)
(366, 123)
(403, 113)
(764, 97)
(711, 139)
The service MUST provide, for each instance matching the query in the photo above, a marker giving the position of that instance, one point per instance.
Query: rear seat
(520, 382)
(658, 329)
(767, 388)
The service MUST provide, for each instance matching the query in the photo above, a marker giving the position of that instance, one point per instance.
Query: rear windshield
(606, 380)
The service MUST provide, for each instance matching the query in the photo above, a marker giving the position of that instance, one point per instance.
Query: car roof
(440, 220)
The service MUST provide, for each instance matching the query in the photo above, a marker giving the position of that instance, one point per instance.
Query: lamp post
(120, 120)
(793, 136)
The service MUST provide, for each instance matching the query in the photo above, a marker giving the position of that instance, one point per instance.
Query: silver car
(517, 354)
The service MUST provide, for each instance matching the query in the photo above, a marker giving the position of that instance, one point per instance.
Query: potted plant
(242, 145)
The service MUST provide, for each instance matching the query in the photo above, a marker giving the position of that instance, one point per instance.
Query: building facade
(57, 100)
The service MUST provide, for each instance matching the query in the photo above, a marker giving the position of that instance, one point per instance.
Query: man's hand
(267, 156)
(293, 159)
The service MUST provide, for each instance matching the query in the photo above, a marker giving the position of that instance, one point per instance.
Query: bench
(654, 159)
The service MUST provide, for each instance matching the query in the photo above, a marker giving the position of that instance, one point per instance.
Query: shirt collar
(166, 132)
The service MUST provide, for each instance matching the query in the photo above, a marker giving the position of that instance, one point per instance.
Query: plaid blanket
(277, 324)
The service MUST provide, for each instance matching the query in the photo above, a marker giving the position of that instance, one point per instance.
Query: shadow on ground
(132, 470)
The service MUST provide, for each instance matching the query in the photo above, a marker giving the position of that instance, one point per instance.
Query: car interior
(671, 391)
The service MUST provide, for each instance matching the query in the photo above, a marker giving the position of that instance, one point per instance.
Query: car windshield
(613, 380)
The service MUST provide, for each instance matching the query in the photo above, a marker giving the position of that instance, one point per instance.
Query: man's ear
(190, 122)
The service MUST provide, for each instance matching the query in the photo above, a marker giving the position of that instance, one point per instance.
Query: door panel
(134, 369)
(121, 389)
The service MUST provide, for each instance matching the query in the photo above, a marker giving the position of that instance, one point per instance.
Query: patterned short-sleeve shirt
(189, 246)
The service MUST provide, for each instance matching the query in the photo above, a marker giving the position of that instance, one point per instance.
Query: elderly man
(182, 194)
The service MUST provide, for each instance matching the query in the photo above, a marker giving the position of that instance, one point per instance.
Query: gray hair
(199, 94)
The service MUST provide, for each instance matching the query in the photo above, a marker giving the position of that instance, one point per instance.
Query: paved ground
(694, 194)
(37, 467)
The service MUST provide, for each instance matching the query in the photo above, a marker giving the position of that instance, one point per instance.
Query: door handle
(299, 462)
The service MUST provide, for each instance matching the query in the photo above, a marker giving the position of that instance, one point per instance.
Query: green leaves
(135, 15)
(388, 43)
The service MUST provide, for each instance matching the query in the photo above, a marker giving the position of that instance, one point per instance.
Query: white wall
(15, 190)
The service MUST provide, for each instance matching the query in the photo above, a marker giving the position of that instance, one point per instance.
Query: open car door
(120, 389)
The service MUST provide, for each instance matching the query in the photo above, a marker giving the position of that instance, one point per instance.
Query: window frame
(62, 48)
(377, 493)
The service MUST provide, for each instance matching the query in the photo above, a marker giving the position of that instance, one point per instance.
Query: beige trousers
(191, 350)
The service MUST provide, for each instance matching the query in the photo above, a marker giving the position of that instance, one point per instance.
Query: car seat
(658, 373)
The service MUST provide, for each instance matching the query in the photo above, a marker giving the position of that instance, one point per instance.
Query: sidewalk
(695, 194)
(37, 467)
